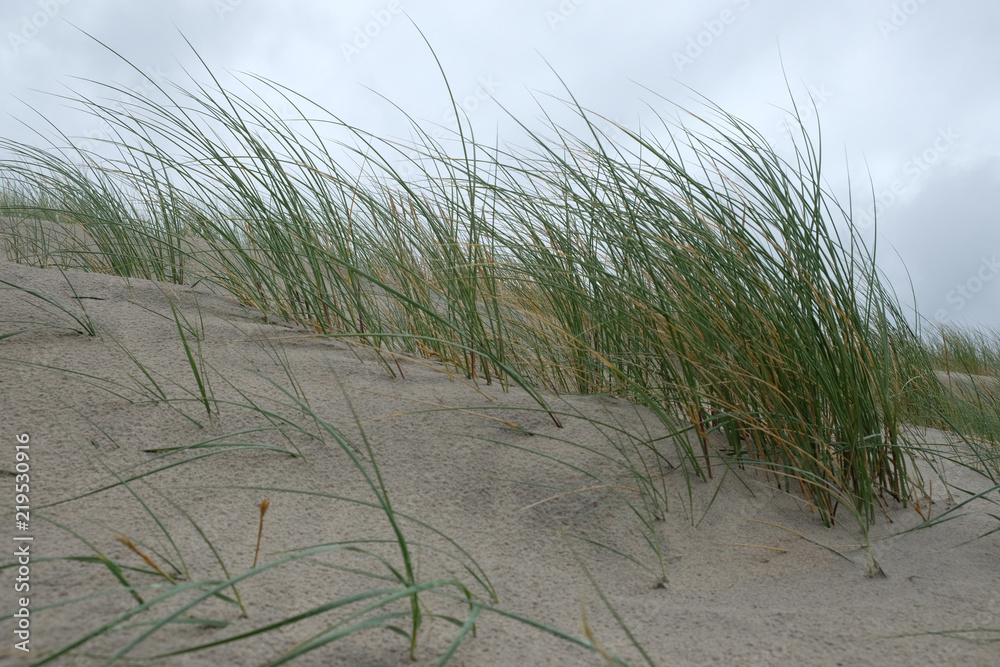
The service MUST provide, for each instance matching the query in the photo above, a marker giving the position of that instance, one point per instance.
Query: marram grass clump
(702, 276)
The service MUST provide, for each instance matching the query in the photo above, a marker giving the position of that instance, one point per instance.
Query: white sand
(741, 591)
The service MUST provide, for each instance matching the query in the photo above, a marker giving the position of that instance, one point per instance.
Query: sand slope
(740, 591)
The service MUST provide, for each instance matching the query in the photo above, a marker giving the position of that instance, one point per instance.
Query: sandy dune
(754, 577)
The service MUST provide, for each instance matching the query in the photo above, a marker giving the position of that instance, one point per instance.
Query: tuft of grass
(197, 366)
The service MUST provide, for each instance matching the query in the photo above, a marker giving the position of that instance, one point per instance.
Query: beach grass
(691, 270)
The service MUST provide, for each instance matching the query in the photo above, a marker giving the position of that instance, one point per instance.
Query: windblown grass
(703, 276)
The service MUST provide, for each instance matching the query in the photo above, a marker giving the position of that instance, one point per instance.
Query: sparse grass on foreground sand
(642, 322)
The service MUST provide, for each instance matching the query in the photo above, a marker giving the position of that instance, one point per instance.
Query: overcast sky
(908, 91)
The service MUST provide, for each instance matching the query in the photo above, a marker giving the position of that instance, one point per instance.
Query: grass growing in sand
(704, 277)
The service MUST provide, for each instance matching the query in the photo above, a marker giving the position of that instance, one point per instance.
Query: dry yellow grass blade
(149, 561)
(264, 504)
